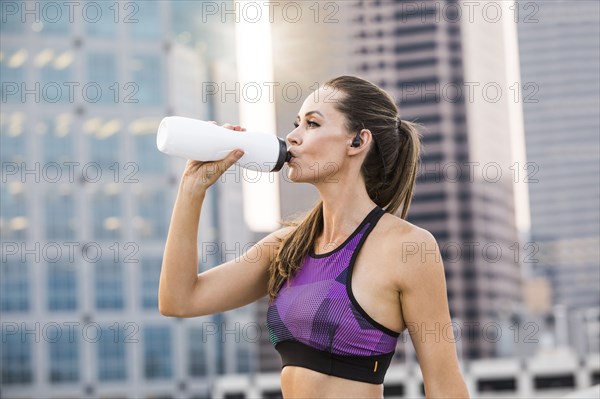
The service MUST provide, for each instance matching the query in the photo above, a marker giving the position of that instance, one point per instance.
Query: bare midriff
(300, 382)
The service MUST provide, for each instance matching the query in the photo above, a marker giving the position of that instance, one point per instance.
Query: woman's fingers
(234, 127)
(230, 126)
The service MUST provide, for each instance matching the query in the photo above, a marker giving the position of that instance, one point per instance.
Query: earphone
(356, 141)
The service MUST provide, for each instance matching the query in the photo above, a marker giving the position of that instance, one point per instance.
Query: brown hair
(389, 169)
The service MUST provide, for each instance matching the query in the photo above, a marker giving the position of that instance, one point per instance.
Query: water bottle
(204, 141)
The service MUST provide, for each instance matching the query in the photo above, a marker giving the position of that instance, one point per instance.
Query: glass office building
(560, 53)
(86, 199)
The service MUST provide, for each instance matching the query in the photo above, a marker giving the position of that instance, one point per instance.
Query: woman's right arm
(182, 291)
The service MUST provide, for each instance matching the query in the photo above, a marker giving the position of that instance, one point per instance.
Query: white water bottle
(204, 141)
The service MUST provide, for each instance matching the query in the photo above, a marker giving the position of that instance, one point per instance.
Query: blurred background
(508, 94)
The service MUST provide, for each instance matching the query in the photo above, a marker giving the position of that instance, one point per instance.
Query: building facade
(86, 199)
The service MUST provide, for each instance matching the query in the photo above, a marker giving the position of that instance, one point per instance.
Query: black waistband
(369, 369)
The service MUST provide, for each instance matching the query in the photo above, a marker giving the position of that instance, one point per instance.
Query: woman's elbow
(170, 311)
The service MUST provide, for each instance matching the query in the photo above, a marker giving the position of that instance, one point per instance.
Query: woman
(338, 301)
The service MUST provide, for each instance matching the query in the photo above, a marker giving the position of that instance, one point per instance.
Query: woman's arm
(178, 274)
(422, 285)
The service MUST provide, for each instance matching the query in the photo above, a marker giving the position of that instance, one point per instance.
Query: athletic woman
(349, 277)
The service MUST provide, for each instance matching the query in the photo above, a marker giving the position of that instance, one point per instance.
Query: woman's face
(320, 140)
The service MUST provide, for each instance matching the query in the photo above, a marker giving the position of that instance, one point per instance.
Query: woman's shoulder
(397, 228)
(408, 248)
(407, 241)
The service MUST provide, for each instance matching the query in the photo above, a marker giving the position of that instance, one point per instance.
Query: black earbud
(356, 141)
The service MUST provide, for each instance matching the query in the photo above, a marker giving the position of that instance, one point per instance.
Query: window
(595, 377)
(414, 30)
(434, 157)
(16, 357)
(14, 285)
(12, 211)
(102, 71)
(429, 98)
(243, 357)
(148, 20)
(62, 287)
(112, 360)
(429, 138)
(55, 20)
(12, 75)
(277, 394)
(441, 235)
(157, 353)
(108, 284)
(100, 18)
(54, 74)
(197, 353)
(554, 381)
(454, 46)
(416, 63)
(470, 294)
(103, 146)
(13, 143)
(60, 215)
(106, 214)
(151, 220)
(150, 276)
(57, 142)
(148, 158)
(63, 362)
(473, 353)
(453, 30)
(430, 197)
(424, 14)
(410, 48)
(465, 215)
(146, 73)
(428, 217)
(418, 81)
(455, 62)
(468, 274)
(425, 119)
(11, 22)
(393, 390)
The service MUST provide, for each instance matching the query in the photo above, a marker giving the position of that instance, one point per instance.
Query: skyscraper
(86, 200)
(560, 54)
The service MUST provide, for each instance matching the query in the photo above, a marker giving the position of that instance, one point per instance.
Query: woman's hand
(198, 176)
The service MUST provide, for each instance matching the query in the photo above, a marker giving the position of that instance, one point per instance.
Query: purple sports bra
(316, 322)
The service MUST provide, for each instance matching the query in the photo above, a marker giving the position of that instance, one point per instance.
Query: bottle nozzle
(284, 155)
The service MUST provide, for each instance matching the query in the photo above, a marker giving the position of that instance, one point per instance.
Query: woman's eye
(309, 123)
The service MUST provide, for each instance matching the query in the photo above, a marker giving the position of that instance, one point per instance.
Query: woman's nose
(292, 137)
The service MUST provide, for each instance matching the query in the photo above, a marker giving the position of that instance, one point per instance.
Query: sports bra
(316, 322)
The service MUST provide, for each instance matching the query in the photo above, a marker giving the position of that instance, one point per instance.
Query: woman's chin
(295, 174)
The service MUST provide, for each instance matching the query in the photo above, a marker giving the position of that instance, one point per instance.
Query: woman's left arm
(422, 285)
